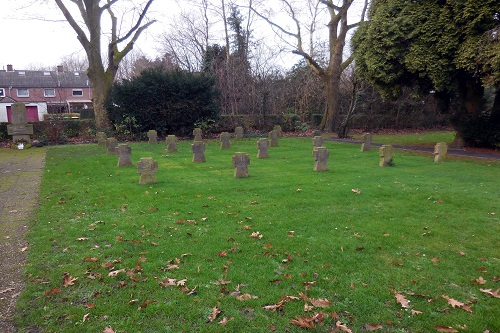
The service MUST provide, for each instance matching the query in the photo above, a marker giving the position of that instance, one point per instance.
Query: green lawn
(201, 251)
(424, 139)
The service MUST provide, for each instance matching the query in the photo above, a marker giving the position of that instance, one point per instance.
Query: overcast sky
(37, 35)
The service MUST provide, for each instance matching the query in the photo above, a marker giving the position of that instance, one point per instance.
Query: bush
(58, 131)
(168, 102)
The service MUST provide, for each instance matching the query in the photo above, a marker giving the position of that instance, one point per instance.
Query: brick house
(43, 92)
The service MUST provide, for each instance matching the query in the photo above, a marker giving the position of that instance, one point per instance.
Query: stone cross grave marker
(124, 152)
(225, 140)
(198, 149)
(440, 152)
(316, 133)
(238, 133)
(367, 142)
(273, 136)
(19, 128)
(241, 162)
(147, 167)
(386, 155)
(278, 129)
(263, 148)
(101, 138)
(198, 134)
(111, 145)
(318, 141)
(153, 137)
(321, 155)
(171, 141)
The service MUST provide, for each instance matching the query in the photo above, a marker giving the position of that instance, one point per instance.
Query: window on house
(22, 73)
(46, 73)
(77, 92)
(23, 92)
(49, 92)
(2, 92)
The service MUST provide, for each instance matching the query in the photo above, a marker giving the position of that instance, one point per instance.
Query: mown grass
(418, 229)
(424, 139)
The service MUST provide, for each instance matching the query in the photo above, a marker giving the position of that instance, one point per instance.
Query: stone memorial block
(321, 155)
(386, 155)
(124, 152)
(440, 152)
(101, 138)
(111, 145)
(238, 133)
(153, 137)
(171, 141)
(273, 136)
(19, 128)
(263, 148)
(198, 134)
(198, 149)
(225, 142)
(277, 128)
(147, 167)
(367, 142)
(318, 141)
(241, 162)
(316, 133)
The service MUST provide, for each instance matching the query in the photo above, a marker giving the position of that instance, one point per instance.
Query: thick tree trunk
(101, 85)
(330, 120)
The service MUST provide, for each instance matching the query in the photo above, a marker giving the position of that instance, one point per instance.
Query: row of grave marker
(147, 167)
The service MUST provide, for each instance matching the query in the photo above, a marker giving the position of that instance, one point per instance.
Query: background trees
(444, 47)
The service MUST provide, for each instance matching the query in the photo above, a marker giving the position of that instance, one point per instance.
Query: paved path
(20, 175)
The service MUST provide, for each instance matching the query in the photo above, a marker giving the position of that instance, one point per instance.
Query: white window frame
(45, 94)
(80, 92)
(25, 95)
(2, 92)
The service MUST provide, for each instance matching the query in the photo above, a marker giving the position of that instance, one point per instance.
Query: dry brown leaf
(357, 191)
(109, 329)
(116, 272)
(403, 301)
(445, 329)
(453, 302)
(68, 280)
(415, 312)
(490, 292)
(89, 259)
(303, 322)
(8, 290)
(145, 304)
(256, 234)
(342, 327)
(215, 313)
(320, 303)
(480, 280)
(373, 327)
(224, 321)
(245, 297)
(89, 306)
(53, 291)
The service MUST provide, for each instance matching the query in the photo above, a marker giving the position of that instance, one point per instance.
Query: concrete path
(20, 175)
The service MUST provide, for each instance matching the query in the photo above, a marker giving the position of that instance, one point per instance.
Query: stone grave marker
(273, 136)
(318, 141)
(321, 155)
(225, 140)
(111, 145)
(198, 134)
(277, 128)
(19, 128)
(316, 133)
(153, 137)
(171, 141)
(101, 138)
(386, 155)
(124, 152)
(241, 162)
(238, 133)
(147, 167)
(263, 148)
(367, 142)
(440, 152)
(198, 149)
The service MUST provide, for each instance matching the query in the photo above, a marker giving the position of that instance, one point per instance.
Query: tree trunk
(495, 110)
(331, 115)
(101, 85)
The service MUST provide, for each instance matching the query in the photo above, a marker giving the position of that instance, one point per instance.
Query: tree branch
(80, 33)
(330, 4)
(137, 25)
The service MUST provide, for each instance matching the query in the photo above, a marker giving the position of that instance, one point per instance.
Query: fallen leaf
(244, 297)
(215, 313)
(53, 291)
(89, 306)
(145, 304)
(303, 322)
(445, 329)
(8, 290)
(357, 191)
(402, 300)
(68, 280)
(493, 293)
(224, 321)
(435, 260)
(453, 302)
(108, 329)
(480, 280)
(256, 234)
(116, 272)
(342, 327)
(81, 239)
(373, 327)
(320, 303)
(85, 316)
(89, 259)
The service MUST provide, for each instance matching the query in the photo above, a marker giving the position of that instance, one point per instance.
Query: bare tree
(338, 27)
(89, 34)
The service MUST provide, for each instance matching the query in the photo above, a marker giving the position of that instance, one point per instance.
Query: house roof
(43, 79)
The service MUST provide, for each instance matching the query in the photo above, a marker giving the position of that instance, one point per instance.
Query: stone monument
(318, 141)
(19, 128)
(321, 155)
(241, 162)
(198, 134)
(367, 142)
(101, 138)
(171, 141)
(238, 133)
(147, 167)
(198, 149)
(124, 152)
(263, 148)
(440, 152)
(225, 142)
(111, 145)
(273, 136)
(153, 137)
(277, 128)
(385, 153)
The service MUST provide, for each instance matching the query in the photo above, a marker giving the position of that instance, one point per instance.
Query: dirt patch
(20, 175)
